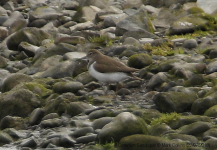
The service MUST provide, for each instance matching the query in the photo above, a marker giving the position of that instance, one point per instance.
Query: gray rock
(75, 108)
(3, 32)
(139, 60)
(50, 116)
(54, 141)
(70, 40)
(174, 101)
(202, 104)
(141, 142)
(5, 138)
(3, 62)
(14, 79)
(205, 5)
(73, 55)
(29, 49)
(30, 142)
(63, 87)
(135, 23)
(17, 25)
(86, 139)
(183, 137)
(16, 15)
(101, 122)
(51, 123)
(157, 80)
(123, 125)
(99, 114)
(195, 128)
(36, 116)
(82, 132)
(19, 99)
(81, 26)
(67, 141)
(211, 67)
(190, 44)
(31, 35)
(46, 13)
(55, 71)
(159, 129)
(85, 78)
(12, 122)
(59, 105)
(38, 23)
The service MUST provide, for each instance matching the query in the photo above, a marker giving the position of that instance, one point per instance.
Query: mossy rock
(38, 89)
(195, 10)
(13, 80)
(196, 128)
(159, 129)
(211, 112)
(139, 60)
(148, 142)
(17, 123)
(59, 104)
(75, 108)
(123, 125)
(63, 87)
(148, 114)
(12, 102)
(184, 137)
(202, 104)
(185, 120)
(174, 101)
(33, 36)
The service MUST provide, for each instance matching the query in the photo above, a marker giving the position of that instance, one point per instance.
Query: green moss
(165, 49)
(166, 118)
(104, 40)
(38, 89)
(195, 10)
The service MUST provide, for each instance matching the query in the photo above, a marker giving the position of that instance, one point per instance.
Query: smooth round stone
(82, 132)
(86, 139)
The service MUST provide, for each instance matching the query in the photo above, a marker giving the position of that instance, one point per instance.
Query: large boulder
(135, 22)
(12, 102)
(124, 124)
(31, 35)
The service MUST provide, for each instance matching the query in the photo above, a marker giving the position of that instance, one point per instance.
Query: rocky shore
(48, 100)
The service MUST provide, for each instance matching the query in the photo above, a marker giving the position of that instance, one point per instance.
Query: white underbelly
(107, 77)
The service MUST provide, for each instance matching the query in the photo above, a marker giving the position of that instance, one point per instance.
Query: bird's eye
(90, 53)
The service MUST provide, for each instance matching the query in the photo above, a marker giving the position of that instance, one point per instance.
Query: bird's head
(93, 54)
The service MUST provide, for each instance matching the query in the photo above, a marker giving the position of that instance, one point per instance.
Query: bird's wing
(115, 66)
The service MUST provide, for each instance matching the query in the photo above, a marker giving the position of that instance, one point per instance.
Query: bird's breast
(107, 77)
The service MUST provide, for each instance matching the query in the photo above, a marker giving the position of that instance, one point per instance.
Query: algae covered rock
(211, 112)
(13, 80)
(174, 101)
(17, 100)
(196, 128)
(200, 105)
(13, 122)
(139, 60)
(31, 35)
(124, 124)
(148, 142)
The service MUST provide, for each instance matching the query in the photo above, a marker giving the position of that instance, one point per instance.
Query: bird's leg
(105, 89)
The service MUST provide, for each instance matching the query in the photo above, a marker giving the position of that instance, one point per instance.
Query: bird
(108, 70)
